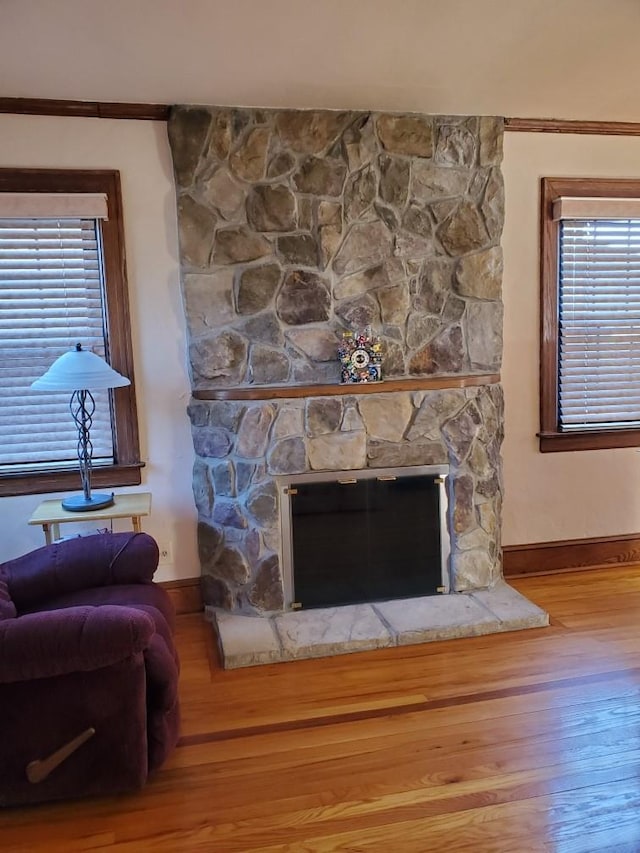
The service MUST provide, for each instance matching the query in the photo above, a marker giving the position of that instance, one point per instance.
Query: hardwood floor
(511, 743)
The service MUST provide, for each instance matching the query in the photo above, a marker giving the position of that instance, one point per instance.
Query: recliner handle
(40, 768)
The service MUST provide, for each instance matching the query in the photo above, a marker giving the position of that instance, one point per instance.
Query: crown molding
(552, 125)
(85, 109)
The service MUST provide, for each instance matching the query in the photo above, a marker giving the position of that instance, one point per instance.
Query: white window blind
(50, 299)
(599, 321)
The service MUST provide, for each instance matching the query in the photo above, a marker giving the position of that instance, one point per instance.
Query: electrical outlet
(166, 553)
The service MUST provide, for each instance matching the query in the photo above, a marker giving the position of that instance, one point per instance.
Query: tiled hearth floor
(320, 632)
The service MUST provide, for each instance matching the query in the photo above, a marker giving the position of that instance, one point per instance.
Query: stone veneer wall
(295, 225)
(240, 447)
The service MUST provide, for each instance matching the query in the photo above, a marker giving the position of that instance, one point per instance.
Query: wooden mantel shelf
(279, 392)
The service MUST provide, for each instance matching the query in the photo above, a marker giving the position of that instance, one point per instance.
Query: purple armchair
(88, 669)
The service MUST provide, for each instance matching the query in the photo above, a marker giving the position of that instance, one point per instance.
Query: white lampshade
(80, 370)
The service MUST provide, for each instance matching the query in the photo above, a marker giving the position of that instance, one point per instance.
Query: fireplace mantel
(282, 392)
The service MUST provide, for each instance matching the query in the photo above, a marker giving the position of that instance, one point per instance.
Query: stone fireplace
(298, 225)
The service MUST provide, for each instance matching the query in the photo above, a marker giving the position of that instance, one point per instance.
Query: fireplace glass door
(371, 539)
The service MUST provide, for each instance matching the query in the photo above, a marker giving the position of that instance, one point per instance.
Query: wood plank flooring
(512, 743)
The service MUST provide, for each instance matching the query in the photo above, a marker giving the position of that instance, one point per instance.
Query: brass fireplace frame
(286, 485)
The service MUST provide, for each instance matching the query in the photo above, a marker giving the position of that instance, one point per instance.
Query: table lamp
(79, 371)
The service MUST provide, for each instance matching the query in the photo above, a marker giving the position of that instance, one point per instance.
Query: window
(590, 314)
(62, 280)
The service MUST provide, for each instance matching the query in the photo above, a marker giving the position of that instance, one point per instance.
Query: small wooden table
(51, 515)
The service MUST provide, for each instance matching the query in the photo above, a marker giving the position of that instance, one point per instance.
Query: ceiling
(568, 59)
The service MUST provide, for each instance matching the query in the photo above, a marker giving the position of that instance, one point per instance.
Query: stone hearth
(247, 641)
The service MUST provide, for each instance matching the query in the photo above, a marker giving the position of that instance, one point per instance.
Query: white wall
(551, 496)
(565, 58)
(140, 151)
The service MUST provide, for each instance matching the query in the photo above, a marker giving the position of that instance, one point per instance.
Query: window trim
(550, 437)
(126, 468)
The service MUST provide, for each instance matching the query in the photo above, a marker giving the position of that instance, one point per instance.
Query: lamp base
(78, 503)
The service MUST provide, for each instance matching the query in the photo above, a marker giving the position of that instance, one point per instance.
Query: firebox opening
(359, 536)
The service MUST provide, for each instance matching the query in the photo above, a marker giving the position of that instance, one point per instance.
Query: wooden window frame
(551, 438)
(125, 471)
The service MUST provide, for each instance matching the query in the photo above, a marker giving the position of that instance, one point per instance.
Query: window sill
(554, 442)
(12, 485)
